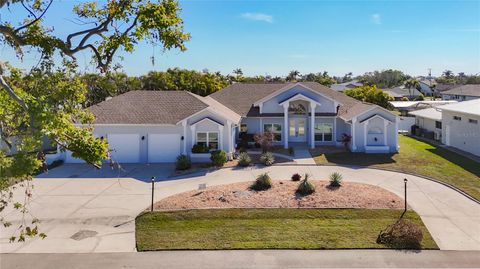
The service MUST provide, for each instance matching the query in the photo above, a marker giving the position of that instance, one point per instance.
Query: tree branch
(36, 18)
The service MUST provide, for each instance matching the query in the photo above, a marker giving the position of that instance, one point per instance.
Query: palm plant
(412, 84)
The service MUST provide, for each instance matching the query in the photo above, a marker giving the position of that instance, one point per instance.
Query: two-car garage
(139, 148)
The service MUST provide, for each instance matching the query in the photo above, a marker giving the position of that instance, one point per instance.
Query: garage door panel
(163, 148)
(124, 148)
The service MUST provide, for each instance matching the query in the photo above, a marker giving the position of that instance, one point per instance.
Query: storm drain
(82, 234)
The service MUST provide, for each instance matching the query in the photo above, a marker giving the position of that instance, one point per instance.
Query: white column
(184, 124)
(285, 124)
(365, 134)
(220, 137)
(335, 130)
(354, 147)
(385, 132)
(229, 135)
(192, 128)
(312, 125)
(396, 132)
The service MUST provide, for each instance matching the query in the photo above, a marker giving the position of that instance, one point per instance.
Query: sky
(275, 37)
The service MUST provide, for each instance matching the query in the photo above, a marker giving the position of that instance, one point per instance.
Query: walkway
(248, 259)
(84, 210)
(302, 155)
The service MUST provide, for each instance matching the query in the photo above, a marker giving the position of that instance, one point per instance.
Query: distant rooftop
(429, 113)
(467, 90)
(471, 107)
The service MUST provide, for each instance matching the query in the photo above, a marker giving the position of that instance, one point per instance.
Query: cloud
(376, 18)
(257, 17)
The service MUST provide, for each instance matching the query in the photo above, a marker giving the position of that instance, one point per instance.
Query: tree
(46, 101)
(412, 84)
(370, 94)
(293, 75)
(384, 79)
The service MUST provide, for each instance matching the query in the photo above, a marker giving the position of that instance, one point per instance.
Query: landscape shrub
(296, 177)
(244, 159)
(403, 234)
(306, 187)
(218, 157)
(265, 140)
(267, 158)
(183, 162)
(405, 99)
(262, 183)
(199, 149)
(336, 179)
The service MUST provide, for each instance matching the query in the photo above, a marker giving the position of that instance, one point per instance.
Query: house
(462, 93)
(461, 126)
(157, 126)
(455, 125)
(399, 92)
(346, 85)
(427, 87)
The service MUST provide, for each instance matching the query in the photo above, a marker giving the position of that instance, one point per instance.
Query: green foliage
(336, 180)
(403, 234)
(306, 187)
(384, 79)
(199, 149)
(370, 94)
(244, 159)
(421, 97)
(218, 158)
(262, 182)
(296, 177)
(267, 158)
(183, 162)
(404, 98)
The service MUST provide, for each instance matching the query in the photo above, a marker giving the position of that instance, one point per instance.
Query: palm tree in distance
(412, 84)
(293, 75)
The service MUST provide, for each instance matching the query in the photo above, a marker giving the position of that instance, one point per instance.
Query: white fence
(405, 124)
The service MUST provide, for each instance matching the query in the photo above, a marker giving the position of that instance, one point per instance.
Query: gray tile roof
(467, 90)
(147, 107)
(240, 98)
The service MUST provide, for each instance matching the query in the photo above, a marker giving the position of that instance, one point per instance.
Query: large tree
(384, 79)
(46, 100)
(370, 94)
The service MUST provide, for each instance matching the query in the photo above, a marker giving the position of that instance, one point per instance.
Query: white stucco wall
(461, 134)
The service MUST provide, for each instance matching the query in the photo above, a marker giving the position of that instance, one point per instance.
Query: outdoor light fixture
(182, 138)
(143, 137)
(405, 181)
(153, 189)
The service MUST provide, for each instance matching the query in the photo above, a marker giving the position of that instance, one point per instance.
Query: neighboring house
(427, 87)
(456, 125)
(405, 107)
(461, 126)
(157, 126)
(346, 85)
(462, 93)
(439, 88)
(399, 92)
(429, 121)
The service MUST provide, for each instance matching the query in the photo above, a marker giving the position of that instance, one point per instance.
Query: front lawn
(420, 158)
(282, 228)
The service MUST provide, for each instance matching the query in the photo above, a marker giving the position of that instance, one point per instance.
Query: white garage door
(125, 148)
(163, 148)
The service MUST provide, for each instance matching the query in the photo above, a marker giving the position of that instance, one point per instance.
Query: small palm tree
(412, 84)
(293, 75)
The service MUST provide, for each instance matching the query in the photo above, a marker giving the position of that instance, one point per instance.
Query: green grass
(420, 158)
(268, 229)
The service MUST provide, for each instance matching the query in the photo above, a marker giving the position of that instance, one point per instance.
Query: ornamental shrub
(218, 157)
(403, 234)
(336, 180)
(183, 162)
(262, 183)
(306, 187)
(296, 177)
(244, 159)
(199, 149)
(267, 158)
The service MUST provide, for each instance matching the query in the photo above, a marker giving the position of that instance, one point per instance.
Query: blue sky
(274, 37)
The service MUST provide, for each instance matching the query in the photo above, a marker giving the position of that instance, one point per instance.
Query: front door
(297, 130)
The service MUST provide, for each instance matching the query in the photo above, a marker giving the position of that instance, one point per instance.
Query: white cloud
(376, 18)
(257, 17)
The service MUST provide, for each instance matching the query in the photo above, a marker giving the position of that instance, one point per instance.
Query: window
(438, 124)
(243, 128)
(274, 128)
(457, 118)
(323, 132)
(472, 121)
(208, 140)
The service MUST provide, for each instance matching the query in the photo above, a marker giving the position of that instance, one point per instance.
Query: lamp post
(405, 182)
(153, 190)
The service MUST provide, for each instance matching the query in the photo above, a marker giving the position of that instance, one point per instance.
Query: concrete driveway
(86, 210)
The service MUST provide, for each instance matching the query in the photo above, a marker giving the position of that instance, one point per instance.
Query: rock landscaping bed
(283, 194)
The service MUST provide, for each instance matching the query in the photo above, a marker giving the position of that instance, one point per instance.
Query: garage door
(163, 148)
(124, 148)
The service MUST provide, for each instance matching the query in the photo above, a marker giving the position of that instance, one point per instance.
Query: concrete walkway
(263, 259)
(85, 210)
(302, 156)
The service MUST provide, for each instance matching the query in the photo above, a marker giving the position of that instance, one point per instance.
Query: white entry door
(297, 130)
(163, 148)
(124, 148)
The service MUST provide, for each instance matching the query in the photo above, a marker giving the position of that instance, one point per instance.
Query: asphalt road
(264, 259)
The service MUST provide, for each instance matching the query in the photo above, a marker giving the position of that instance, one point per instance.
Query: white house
(429, 121)
(462, 93)
(461, 126)
(346, 85)
(157, 126)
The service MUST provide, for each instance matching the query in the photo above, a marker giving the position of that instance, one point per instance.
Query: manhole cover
(82, 234)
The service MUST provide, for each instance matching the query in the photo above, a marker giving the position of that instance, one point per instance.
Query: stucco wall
(462, 134)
